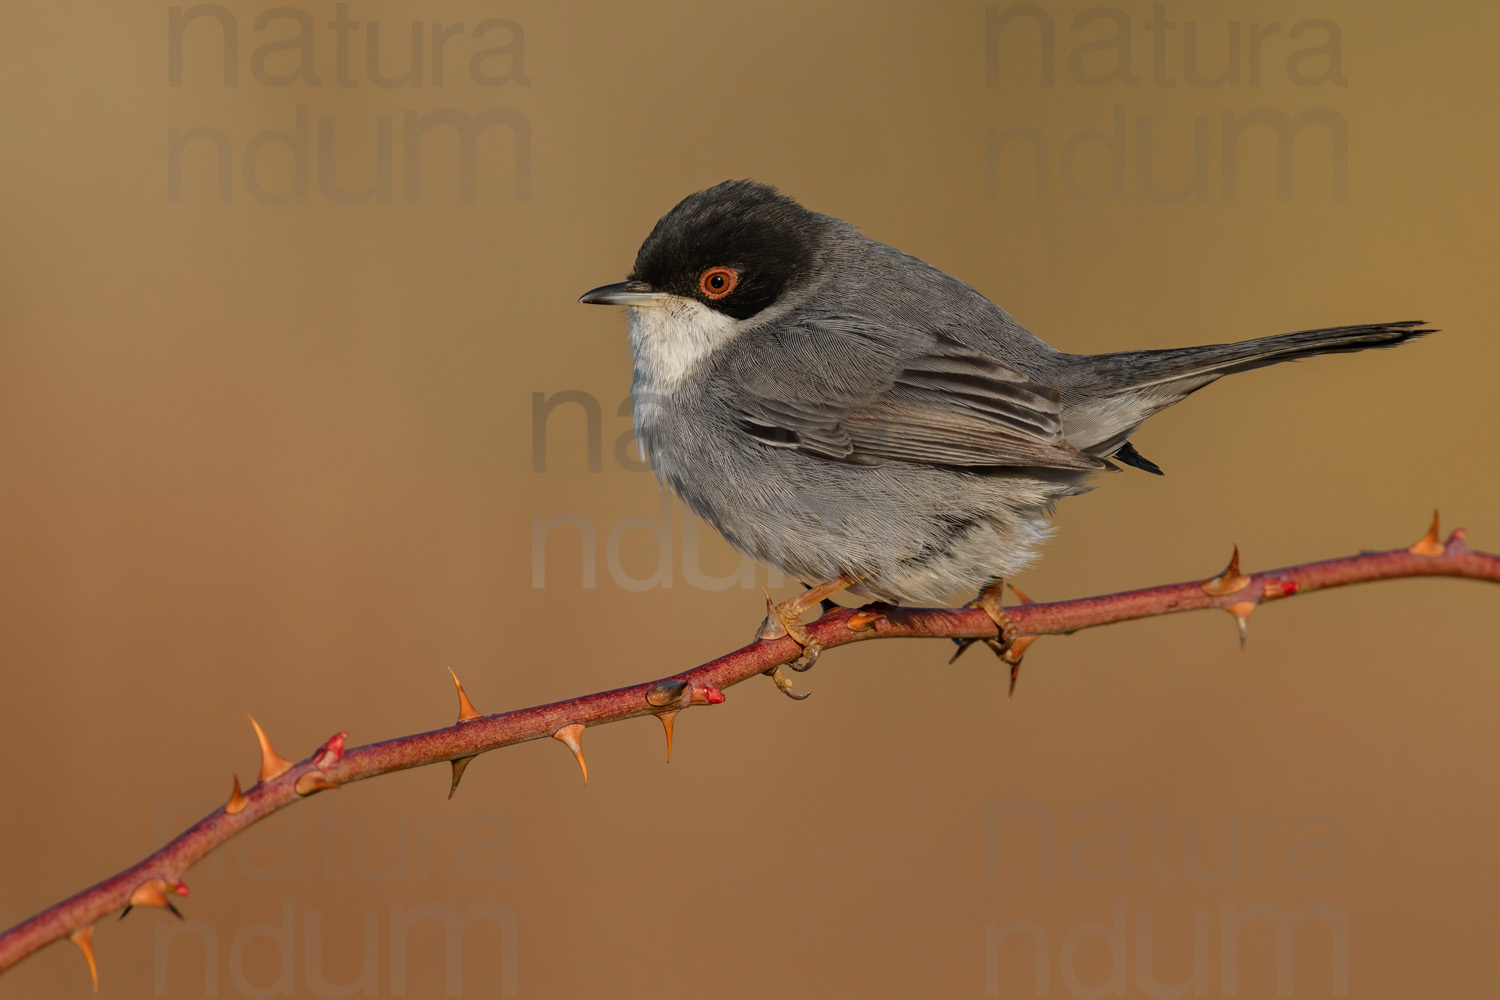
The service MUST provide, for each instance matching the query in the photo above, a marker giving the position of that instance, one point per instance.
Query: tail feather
(1142, 369)
(1107, 396)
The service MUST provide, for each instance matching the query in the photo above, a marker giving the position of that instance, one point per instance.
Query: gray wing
(841, 390)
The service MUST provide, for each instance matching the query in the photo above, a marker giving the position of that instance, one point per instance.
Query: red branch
(150, 882)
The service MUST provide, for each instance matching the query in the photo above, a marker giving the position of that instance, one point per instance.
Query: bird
(864, 421)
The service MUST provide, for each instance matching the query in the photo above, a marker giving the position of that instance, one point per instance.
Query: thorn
(153, 892)
(83, 937)
(331, 752)
(667, 720)
(994, 644)
(1013, 656)
(272, 764)
(459, 764)
(1228, 581)
(572, 738)
(237, 800)
(771, 628)
(864, 621)
(1241, 612)
(1428, 544)
(673, 696)
(1017, 591)
(466, 709)
(313, 781)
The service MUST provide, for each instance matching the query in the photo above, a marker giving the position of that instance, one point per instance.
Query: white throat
(672, 339)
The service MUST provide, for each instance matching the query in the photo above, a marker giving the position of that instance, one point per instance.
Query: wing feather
(943, 404)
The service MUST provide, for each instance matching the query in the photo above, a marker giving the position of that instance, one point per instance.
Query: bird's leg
(786, 619)
(1004, 645)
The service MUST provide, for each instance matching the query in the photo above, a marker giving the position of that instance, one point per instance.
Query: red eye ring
(718, 282)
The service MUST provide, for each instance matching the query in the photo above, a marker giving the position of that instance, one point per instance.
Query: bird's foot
(785, 619)
(784, 684)
(782, 620)
(1005, 645)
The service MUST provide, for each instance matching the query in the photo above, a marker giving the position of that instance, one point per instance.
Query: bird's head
(733, 250)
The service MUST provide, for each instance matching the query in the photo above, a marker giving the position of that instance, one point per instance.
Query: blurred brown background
(278, 458)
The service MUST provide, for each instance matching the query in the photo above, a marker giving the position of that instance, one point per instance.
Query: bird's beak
(625, 293)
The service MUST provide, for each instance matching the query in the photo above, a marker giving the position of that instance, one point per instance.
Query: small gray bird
(861, 420)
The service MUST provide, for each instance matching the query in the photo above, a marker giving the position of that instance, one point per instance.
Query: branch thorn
(1429, 544)
(771, 628)
(272, 764)
(1013, 657)
(459, 765)
(572, 738)
(667, 720)
(153, 892)
(1241, 612)
(1228, 581)
(83, 937)
(237, 799)
(673, 696)
(466, 709)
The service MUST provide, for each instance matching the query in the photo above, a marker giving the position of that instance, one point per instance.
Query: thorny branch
(154, 880)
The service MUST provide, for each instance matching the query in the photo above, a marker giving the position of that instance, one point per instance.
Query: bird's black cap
(766, 239)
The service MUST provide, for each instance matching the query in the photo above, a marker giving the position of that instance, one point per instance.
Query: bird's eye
(718, 282)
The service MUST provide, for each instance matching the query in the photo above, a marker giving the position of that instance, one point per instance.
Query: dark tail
(1106, 396)
(1201, 365)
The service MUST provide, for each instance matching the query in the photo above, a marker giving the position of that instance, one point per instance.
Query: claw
(785, 619)
(1010, 645)
(811, 650)
(784, 685)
